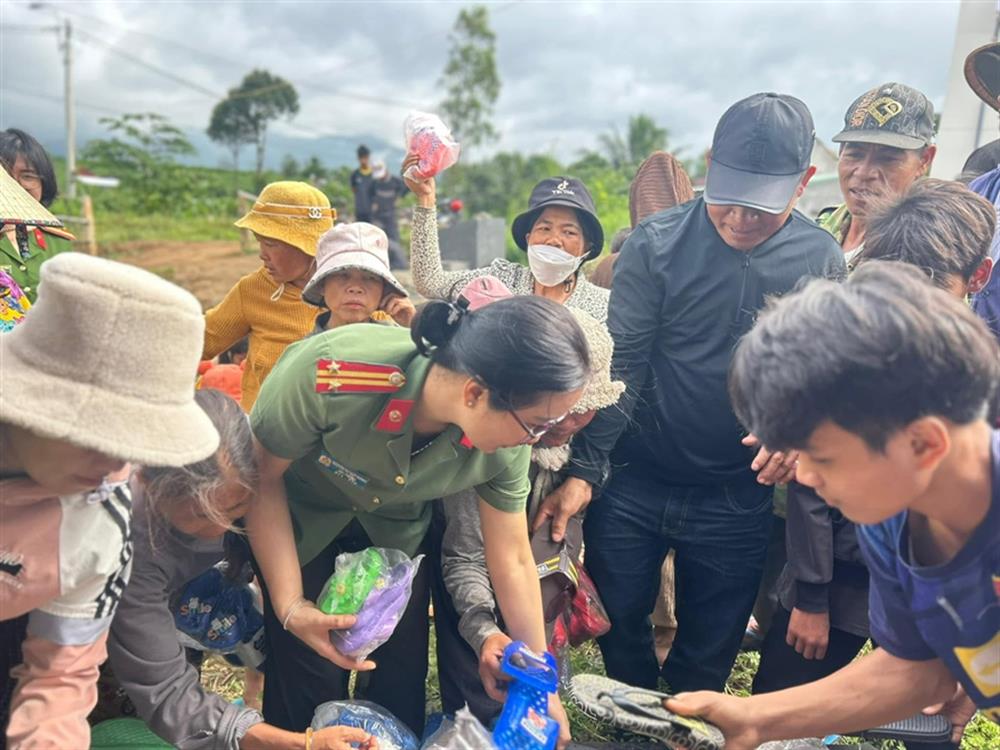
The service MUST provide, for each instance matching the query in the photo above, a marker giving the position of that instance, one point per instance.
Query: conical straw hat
(18, 207)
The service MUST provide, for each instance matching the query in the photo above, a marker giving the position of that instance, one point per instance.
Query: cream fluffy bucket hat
(106, 359)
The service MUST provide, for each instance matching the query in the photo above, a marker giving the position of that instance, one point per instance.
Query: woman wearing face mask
(560, 232)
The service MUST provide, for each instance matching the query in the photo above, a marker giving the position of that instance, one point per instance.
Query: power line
(25, 27)
(58, 100)
(149, 66)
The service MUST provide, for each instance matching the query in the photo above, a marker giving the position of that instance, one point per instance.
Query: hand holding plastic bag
(389, 731)
(432, 142)
(374, 585)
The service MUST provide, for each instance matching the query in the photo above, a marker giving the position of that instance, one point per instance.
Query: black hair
(14, 143)
(619, 239)
(984, 159)
(871, 355)
(939, 226)
(519, 347)
(240, 347)
(363, 151)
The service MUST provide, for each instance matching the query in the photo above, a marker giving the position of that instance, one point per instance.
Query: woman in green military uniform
(359, 429)
(26, 161)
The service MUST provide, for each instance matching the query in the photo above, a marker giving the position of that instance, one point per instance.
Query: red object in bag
(429, 138)
(588, 618)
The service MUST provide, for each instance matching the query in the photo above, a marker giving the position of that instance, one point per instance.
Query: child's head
(288, 219)
(352, 273)
(871, 380)
(205, 498)
(235, 354)
(942, 228)
(85, 390)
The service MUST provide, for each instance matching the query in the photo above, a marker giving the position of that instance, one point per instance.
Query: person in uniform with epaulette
(358, 430)
(26, 161)
(886, 145)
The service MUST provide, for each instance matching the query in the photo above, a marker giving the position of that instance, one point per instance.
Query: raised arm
(429, 276)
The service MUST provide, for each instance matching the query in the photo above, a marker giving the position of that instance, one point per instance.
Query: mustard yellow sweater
(248, 309)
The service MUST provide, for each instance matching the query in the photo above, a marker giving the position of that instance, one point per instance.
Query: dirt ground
(206, 269)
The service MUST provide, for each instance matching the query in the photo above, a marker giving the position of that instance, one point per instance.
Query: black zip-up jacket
(680, 301)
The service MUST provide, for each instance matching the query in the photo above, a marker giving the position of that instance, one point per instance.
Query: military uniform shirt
(43, 243)
(339, 406)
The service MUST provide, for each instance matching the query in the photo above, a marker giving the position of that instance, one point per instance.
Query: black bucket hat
(560, 191)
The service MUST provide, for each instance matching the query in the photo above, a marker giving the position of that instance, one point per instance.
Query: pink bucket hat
(483, 290)
(358, 245)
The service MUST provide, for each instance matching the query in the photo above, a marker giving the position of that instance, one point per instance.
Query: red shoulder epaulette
(341, 376)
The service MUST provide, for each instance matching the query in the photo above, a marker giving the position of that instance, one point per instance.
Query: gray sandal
(641, 711)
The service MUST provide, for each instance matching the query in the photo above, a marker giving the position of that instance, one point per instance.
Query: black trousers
(298, 679)
(458, 664)
(781, 666)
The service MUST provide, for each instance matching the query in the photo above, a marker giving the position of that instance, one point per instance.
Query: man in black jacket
(690, 283)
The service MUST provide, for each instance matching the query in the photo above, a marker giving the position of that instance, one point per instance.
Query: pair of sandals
(641, 711)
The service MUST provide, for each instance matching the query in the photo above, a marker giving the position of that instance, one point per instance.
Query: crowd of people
(634, 419)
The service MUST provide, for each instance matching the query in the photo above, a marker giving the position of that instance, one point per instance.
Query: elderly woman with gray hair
(181, 517)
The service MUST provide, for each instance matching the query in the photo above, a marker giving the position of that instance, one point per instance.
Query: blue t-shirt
(949, 611)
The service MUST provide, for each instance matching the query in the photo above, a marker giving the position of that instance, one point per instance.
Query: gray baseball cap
(889, 115)
(762, 147)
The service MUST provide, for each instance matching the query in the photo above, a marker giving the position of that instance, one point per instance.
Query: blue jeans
(719, 534)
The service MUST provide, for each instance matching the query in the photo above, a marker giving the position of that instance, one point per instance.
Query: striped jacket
(64, 562)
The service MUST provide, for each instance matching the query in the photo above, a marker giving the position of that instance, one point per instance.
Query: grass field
(218, 676)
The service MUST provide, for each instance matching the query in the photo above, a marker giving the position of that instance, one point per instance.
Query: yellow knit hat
(293, 212)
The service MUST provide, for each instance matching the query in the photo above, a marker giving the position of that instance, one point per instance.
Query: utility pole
(67, 50)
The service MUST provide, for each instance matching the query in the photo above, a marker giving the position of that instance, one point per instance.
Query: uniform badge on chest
(331, 464)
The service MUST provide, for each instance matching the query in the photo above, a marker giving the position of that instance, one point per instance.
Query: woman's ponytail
(436, 323)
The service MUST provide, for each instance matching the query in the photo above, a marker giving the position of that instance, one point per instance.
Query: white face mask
(551, 266)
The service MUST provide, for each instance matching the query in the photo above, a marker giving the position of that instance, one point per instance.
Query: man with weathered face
(886, 145)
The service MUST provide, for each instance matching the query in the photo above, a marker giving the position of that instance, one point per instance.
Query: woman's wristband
(309, 738)
(296, 606)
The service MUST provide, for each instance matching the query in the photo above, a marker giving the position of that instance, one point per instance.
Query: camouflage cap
(890, 115)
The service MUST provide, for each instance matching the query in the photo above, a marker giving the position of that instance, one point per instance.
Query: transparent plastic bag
(374, 585)
(431, 140)
(464, 732)
(391, 733)
(588, 619)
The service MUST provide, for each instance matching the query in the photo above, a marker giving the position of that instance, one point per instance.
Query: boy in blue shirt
(907, 452)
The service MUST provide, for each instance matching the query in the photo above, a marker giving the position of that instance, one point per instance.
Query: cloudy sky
(569, 70)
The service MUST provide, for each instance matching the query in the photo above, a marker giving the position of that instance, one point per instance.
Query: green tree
(290, 168)
(470, 78)
(314, 171)
(231, 126)
(642, 138)
(142, 152)
(260, 98)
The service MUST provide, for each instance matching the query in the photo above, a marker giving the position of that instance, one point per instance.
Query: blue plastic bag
(216, 613)
(390, 732)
